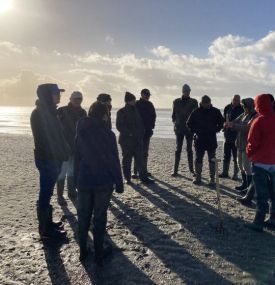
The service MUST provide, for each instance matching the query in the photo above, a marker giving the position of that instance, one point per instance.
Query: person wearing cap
(148, 114)
(242, 125)
(231, 112)
(97, 171)
(182, 108)
(261, 152)
(107, 100)
(205, 122)
(50, 150)
(69, 116)
(131, 132)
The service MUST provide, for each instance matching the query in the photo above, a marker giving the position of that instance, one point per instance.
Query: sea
(16, 120)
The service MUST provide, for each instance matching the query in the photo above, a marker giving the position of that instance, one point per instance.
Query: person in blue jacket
(97, 170)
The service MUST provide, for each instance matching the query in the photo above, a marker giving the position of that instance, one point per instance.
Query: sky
(219, 47)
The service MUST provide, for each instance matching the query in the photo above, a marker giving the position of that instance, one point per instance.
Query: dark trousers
(264, 182)
(146, 144)
(48, 171)
(189, 141)
(130, 151)
(229, 148)
(93, 201)
(200, 154)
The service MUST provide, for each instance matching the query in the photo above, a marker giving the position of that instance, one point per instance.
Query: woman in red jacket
(261, 151)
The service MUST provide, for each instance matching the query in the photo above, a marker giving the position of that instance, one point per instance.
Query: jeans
(264, 182)
(189, 141)
(146, 144)
(228, 149)
(93, 201)
(67, 169)
(48, 171)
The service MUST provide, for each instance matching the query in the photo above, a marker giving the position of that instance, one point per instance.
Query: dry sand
(162, 234)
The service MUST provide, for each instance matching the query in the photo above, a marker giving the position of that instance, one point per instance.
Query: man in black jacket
(148, 114)
(130, 126)
(205, 122)
(182, 108)
(231, 112)
(69, 116)
(50, 151)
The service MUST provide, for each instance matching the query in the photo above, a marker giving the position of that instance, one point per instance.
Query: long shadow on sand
(112, 273)
(249, 251)
(56, 268)
(190, 269)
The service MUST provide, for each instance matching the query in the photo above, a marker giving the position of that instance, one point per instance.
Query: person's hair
(271, 97)
(98, 110)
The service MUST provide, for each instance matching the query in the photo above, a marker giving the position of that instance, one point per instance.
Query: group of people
(82, 147)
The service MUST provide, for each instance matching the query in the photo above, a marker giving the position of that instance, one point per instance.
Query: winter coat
(182, 109)
(96, 160)
(205, 123)
(49, 140)
(230, 114)
(242, 126)
(130, 126)
(69, 116)
(148, 114)
(261, 136)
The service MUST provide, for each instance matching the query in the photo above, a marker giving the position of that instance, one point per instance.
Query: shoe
(243, 192)
(197, 181)
(244, 183)
(128, 181)
(84, 254)
(211, 183)
(147, 181)
(223, 175)
(244, 201)
(134, 176)
(99, 258)
(174, 174)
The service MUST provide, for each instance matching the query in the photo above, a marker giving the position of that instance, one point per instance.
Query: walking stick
(220, 227)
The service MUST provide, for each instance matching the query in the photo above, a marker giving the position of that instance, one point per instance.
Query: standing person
(148, 114)
(242, 126)
(69, 116)
(231, 112)
(260, 150)
(97, 170)
(205, 122)
(131, 128)
(50, 151)
(106, 99)
(182, 108)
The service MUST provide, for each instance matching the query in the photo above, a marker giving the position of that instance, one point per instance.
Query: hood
(263, 105)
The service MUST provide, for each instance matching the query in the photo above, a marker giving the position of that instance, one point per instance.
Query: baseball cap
(76, 95)
(48, 89)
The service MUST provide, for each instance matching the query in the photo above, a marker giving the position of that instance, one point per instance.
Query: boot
(247, 199)
(46, 230)
(258, 223)
(176, 166)
(236, 171)
(198, 170)
(72, 194)
(244, 184)
(60, 188)
(212, 172)
(225, 170)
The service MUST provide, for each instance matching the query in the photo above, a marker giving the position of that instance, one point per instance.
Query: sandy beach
(162, 234)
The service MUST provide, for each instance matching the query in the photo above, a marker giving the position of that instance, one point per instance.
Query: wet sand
(162, 234)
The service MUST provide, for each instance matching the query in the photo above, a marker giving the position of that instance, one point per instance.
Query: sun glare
(5, 5)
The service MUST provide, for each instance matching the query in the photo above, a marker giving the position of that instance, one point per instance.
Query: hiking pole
(220, 227)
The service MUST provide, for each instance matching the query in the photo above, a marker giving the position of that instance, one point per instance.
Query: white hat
(76, 95)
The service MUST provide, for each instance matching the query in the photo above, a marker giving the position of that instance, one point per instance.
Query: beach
(161, 234)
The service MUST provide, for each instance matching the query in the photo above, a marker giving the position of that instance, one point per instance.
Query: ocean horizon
(16, 120)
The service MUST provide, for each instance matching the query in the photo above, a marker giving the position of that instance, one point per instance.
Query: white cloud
(234, 65)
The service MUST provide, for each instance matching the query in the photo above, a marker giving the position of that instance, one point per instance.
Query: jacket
(182, 109)
(230, 114)
(69, 116)
(130, 125)
(49, 141)
(96, 160)
(148, 114)
(261, 136)
(205, 123)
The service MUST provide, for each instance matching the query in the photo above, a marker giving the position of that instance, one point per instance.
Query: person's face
(145, 97)
(56, 98)
(206, 105)
(132, 102)
(76, 102)
(236, 101)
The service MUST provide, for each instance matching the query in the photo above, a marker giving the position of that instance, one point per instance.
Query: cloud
(234, 64)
